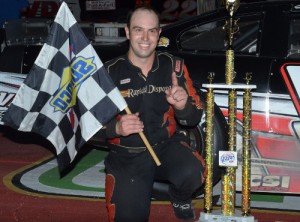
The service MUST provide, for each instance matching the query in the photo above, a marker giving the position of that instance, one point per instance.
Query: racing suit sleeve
(108, 131)
(192, 112)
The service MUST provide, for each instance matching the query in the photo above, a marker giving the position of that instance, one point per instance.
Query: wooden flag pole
(149, 147)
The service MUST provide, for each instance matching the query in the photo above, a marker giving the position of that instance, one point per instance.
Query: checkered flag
(68, 95)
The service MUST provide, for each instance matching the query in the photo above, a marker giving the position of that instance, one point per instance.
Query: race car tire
(196, 138)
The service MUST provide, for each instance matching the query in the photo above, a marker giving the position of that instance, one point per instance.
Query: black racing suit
(130, 170)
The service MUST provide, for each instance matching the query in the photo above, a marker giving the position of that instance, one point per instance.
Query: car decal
(275, 153)
(163, 41)
(291, 75)
(9, 85)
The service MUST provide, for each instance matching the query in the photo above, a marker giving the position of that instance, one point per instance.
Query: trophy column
(246, 165)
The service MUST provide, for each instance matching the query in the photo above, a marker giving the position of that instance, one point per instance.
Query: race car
(266, 44)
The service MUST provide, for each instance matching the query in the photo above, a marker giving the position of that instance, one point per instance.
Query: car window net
(211, 37)
(294, 39)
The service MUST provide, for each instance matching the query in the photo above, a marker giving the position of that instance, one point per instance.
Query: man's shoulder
(176, 62)
(168, 56)
(116, 61)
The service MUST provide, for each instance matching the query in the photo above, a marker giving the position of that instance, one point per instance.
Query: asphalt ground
(32, 189)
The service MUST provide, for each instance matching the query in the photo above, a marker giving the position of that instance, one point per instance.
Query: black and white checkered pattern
(97, 99)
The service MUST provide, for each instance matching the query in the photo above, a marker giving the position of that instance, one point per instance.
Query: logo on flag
(73, 76)
(68, 95)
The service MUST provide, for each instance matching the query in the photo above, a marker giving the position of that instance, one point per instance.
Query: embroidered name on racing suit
(130, 93)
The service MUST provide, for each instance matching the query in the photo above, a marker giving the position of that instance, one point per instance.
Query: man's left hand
(176, 96)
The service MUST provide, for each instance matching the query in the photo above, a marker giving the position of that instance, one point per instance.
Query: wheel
(196, 138)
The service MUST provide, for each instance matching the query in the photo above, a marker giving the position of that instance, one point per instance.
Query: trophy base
(217, 216)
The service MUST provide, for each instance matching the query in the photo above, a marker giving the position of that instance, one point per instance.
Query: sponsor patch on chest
(125, 81)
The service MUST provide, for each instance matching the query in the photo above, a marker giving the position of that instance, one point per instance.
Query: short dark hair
(142, 8)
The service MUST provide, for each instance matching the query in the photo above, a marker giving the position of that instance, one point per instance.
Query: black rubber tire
(196, 137)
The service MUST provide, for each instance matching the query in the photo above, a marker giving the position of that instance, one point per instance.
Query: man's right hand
(129, 124)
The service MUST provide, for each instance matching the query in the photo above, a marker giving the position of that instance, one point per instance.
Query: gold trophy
(228, 196)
